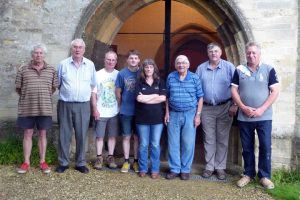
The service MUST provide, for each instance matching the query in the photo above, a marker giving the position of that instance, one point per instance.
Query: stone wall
(24, 23)
(274, 23)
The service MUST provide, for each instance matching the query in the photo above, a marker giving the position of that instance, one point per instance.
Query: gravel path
(108, 184)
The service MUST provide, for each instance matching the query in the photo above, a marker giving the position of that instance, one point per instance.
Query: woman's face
(149, 70)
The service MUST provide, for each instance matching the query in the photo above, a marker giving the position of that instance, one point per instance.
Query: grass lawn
(287, 184)
(11, 152)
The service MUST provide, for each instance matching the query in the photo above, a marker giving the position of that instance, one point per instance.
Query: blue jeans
(247, 133)
(149, 134)
(181, 140)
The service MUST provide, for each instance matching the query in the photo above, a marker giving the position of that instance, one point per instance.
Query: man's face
(181, 66)
(77, 50)
(110, 61)
(38, 55)
(214, 54)
(133, 60)
(253, 56)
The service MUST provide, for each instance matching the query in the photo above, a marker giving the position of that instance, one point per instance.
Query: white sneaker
(243, 181)
(267, 183)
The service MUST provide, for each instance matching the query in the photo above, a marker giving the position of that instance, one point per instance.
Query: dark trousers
(73, 116)
(247, 133)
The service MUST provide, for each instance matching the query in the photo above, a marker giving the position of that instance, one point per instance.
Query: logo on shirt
(261, 77)
(130, 84)
(244, 70)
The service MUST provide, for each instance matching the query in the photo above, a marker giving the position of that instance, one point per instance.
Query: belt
(217, 104)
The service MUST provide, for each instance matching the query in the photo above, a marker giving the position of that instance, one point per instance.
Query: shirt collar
(31, 65)
(259, 64)
(83, 60)
(187, 77)
(219, 66)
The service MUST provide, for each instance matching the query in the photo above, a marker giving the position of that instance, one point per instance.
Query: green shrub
(11, 152)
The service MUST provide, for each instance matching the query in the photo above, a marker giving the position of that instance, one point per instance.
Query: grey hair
(212, 45)
(184, 57)
(252, 44)
(78, 40)
(111, 52)
(39, 46)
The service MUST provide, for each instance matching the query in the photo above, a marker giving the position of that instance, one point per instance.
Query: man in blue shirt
(218, 110)
(183, 110)
(125, 93)
(255, 88)
(76, 78)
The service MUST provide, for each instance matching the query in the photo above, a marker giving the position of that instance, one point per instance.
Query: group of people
(142, 103)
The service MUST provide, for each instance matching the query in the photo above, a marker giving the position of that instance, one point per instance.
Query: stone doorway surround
(102, 19)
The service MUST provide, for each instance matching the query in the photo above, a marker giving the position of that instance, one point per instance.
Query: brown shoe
(111, 162)
(142, 174)
(171, 175)
(185, 176)
(207, 173)
(221, 174)
(154, 175)
(99, 163)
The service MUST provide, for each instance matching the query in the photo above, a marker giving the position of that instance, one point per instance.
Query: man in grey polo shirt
(254, 89)
(218, 110)
(77, 78)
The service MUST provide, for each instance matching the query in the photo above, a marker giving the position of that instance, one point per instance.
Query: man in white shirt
(76, 80)
(105, 110)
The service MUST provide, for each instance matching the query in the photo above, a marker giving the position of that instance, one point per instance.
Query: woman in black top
(149, 114)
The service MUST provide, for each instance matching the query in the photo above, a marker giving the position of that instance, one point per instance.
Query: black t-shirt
(150, 113)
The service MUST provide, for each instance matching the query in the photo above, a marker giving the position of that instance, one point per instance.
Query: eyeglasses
(183, 62)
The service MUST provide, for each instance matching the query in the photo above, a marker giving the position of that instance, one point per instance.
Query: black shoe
(61, 169)
(207, 173)
(171, 175)
(82, 169)
(221, 174)
(185, 176)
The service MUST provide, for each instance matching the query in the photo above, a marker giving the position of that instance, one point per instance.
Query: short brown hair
(133, 52)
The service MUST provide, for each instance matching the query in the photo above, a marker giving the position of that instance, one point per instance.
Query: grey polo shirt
(254, 88)
(216, 82)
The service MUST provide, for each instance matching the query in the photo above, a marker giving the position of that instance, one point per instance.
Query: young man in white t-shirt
(105, 110)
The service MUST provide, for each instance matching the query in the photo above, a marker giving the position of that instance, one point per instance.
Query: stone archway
(102, 20)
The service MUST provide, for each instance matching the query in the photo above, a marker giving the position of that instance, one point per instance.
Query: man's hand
(258, 112)
(233, 110)
(96, 114)
(249, 111)
(197, 121)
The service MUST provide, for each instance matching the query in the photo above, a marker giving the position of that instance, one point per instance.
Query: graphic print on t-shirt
(130, 84)
(108, 98)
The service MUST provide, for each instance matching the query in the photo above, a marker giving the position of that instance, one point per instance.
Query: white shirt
(76, 84)
(107, 104)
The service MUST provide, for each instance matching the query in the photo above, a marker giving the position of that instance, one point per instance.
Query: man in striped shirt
(35, 84)
(183, 110)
